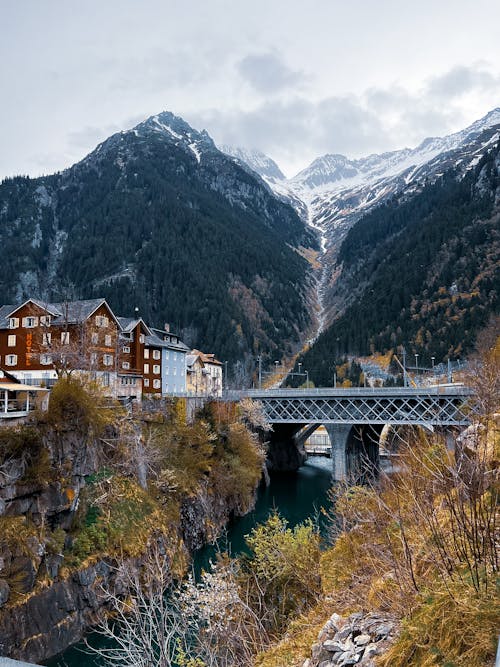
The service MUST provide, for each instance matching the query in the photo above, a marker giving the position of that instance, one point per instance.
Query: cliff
(72, 512)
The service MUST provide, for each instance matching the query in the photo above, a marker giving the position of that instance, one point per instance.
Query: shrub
(80, 404)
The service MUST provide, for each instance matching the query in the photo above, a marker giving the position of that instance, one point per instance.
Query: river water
(297, 496)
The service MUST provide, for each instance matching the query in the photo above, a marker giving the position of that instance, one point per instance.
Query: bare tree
(145, 627)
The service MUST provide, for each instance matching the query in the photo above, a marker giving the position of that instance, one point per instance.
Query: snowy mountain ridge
(334, 191)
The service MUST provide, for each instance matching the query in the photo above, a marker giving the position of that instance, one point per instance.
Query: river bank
(298, 496)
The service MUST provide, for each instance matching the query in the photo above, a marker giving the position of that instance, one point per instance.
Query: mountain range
(157, 218)
(334, 191)
(244, 262)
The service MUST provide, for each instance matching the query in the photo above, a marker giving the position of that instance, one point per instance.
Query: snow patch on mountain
(263, 165)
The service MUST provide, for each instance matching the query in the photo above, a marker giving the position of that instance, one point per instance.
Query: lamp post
(225, 375)
(260, 371)
(307, 379)
(432, 362)
(416, 362)
(299, 365)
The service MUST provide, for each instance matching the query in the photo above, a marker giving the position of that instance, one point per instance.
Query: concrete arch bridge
(354, 419)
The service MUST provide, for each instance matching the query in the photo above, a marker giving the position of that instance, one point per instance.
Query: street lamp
(416, 362)
(432, 361)
(307, 379)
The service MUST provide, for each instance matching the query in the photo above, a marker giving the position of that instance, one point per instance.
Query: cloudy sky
(294, 79)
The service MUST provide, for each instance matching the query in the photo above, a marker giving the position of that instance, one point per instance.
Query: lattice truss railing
(435, 410)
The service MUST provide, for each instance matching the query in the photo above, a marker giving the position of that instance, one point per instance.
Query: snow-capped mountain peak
(257, 161)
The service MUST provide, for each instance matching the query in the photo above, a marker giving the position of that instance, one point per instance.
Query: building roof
(178, 345)
(207, 358)
(128, 324)
(66, 312)
(156, 341)
(191, 359)
(73, 312)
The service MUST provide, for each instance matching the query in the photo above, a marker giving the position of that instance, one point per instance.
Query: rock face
(284, 453)
(44, 607)
(355, 640)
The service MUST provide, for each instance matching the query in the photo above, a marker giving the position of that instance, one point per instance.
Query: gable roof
(66, 312)
(74, 312)
(207, 358)
(191, 359)
(128, 324)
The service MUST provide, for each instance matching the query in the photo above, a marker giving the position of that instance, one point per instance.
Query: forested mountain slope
(159, 219)
(423, 272)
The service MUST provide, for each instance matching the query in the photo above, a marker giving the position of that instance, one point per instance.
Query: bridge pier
(339, 437)
(355, 450)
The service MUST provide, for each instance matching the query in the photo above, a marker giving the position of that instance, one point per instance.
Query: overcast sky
(292, 78)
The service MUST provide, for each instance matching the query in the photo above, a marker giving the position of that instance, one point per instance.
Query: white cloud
(267, 73)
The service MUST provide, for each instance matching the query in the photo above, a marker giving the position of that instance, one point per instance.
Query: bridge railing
(437, 390)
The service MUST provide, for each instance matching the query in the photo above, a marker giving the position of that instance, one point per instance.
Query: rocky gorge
(72, 519)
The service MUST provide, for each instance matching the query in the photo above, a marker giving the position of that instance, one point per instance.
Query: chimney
(167, 327)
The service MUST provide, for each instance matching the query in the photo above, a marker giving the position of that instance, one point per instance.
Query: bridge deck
(436, 406)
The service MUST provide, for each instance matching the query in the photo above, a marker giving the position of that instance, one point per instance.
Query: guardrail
(439, 390)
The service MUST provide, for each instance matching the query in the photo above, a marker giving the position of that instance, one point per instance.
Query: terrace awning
(14, 386)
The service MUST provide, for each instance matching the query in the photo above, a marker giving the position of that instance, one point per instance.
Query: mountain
(257, 161)
(334, 192)
(421, 270)
(158, 218)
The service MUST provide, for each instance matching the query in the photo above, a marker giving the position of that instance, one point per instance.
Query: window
(141, 338)
(65, 337)
(101, 321)
(126, 349)
(146, 382)
(146, 353)
(156, 384)
(45, 359)
(46, 338)
(107, 340)
(13, 322)
(11, 340)
(107, 359)
(156, 369)
(94, 338)
(156, 354)
(45, 320)
(146, 368)
(11, 359)
(30, 322)
(175, 370)
(105, 380)
(126, 365)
